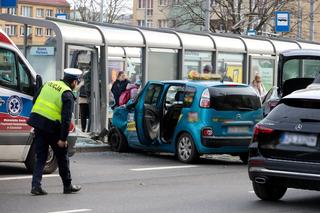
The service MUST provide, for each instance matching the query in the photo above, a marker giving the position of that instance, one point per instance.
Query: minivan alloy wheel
(186, 149)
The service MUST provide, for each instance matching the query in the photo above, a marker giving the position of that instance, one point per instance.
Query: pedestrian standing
(119, 86)
(84, 109)
(258, 86)
(51, 116)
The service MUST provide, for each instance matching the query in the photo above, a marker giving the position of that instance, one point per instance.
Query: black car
(285, 149)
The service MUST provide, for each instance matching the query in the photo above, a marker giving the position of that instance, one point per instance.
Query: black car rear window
(296, 111)
(232, 98)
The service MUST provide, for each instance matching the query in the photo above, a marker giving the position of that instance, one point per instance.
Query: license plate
(299, 139)
(238, 129)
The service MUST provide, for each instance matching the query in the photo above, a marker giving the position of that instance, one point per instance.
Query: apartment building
(35, 9)
(156, 12)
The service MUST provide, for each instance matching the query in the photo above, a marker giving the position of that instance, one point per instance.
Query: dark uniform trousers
(42, 142)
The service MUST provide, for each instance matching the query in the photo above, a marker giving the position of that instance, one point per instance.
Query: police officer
(51, 116)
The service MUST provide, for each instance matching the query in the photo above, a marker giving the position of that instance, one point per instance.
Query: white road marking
(75, 210)
(162, 168)
(26, 177)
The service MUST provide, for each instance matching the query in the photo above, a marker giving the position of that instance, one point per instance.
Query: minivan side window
(25, 80)
(153, 94)
(8, 69)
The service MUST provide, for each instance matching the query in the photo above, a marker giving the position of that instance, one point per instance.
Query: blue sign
(251, 32)
(8, 3)
(61, 16)
(282, 21)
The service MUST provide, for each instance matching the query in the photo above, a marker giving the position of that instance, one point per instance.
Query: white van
(18, 81)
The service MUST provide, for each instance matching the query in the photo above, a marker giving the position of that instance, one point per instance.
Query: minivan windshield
(234, 98)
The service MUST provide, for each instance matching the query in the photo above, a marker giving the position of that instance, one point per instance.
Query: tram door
(86, 59)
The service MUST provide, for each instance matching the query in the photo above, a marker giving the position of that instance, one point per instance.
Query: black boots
(71, 189)
(38, 191)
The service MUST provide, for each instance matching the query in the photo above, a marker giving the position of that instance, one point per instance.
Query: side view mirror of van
(38, 83)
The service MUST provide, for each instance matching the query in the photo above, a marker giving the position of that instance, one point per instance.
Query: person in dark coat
(51, 117)
(118, 87)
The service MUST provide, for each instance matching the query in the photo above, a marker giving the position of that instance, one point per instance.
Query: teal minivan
(188, 118)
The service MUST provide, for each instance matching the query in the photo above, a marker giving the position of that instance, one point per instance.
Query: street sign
(8, 3)
(251, 32)
(282, 21)
(61, 16)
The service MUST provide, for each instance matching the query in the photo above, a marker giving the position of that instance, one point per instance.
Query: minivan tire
(186, 149)
(117, 140)
(269, 192)
(51, 163)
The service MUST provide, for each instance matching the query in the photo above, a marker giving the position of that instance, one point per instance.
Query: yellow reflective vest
(49, 101)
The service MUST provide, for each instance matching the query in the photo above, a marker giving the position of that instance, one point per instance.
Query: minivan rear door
(235, 109)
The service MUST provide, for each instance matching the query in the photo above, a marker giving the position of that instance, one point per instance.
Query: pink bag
(124, 97)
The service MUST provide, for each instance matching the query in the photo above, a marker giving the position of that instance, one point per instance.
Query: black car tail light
(260, 130)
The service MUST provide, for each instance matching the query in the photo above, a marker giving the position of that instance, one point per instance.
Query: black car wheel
(51, 163)
(117, 140)
(186, 150)
(244, 157)
(269, 192)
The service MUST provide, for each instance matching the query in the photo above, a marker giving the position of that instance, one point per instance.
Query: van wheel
(269, 192)
(244, 157)
(117, 140)
(186, 150)
(51, 163)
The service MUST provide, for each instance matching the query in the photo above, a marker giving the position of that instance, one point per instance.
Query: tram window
(8, 71)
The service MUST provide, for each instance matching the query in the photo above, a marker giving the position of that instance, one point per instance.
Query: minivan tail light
(205, 99)
(261, 130)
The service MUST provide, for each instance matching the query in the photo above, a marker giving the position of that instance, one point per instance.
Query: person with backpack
(118, 87)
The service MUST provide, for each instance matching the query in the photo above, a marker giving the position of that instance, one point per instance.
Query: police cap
(72, 74)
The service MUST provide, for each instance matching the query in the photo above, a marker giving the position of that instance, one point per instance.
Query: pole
(299, 20)
(145, 13)
(101, 11)
(207, 15)
(74, 11)
(311, 20)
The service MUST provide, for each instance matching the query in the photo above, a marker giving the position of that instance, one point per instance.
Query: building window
(142, 4)
(49, 13)
(48, 32)
(175, 2)
(11, 30)
(12, 11)
(39, 31)
(40, 12)
(60, 11)
(149, 23)
(29, 31)
(149, 12)
(163, 2)
(163, 23)
(26, 11)
(141, 23)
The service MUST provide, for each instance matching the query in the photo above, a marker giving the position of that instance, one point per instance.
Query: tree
(234, 16)
(89, 10)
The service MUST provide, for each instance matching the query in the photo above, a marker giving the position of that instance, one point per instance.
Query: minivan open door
(148, 113)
